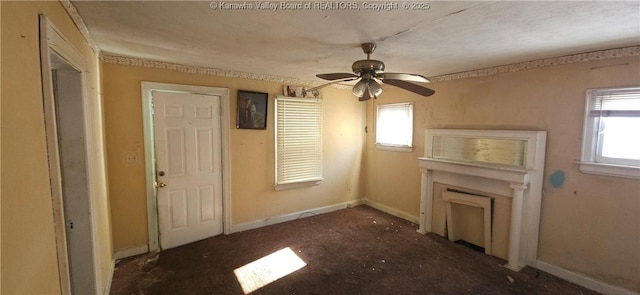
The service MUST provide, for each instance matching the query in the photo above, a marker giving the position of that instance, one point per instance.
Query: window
(394, 127)
(611, 142)
(298, 139)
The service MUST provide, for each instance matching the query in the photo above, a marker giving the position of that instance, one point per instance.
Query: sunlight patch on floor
(259, 273)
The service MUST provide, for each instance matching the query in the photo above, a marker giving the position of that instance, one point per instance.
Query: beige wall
(252, 152)
(29, 264)
(590, 224)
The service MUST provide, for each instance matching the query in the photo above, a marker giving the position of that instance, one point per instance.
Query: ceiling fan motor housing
(368, 66)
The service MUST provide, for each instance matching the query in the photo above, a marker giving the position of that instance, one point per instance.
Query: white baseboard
(291, 216)
(132, 251)
(392, 211)
(582, 280)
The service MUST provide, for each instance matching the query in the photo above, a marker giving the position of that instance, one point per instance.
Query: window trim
(395, 147)
(306, 182)
(591, 152)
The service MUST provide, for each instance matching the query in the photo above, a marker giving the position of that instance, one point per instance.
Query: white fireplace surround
(503, 162)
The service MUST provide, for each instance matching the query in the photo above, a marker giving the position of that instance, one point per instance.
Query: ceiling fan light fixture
(360, 87)
(365, 96)
(374, 88)
(371, 90)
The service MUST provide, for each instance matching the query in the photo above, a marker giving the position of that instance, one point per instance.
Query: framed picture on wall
(252, 110)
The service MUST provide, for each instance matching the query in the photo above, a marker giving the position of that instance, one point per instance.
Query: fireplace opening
(470, 246)
(464, 243)
(469, 219)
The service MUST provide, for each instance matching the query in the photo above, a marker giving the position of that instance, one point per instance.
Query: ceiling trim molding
(138, 62)
(541, 63)
(516, 67)
(79, 22)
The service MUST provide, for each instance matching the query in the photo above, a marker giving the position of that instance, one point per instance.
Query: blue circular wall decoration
(557, 179)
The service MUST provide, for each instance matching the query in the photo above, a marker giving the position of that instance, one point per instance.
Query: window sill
(610, 170)
(394, 148)
(295, 185)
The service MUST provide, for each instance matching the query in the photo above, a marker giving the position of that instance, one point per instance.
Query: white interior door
(188, 167)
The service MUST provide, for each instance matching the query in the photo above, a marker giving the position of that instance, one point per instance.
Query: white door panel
(188, 162)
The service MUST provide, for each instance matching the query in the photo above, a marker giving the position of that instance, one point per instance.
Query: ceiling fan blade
(404, 77)
(327, 84)
(410, 87)
(336, 76)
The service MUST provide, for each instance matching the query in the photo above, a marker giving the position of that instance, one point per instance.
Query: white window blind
(394, 125)
(298, 140)
(623, 102)
(612, 121)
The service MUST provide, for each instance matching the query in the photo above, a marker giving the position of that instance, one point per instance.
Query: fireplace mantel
(484, 171)
(505, 162)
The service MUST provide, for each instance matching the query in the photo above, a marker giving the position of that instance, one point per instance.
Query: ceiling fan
(370, 71)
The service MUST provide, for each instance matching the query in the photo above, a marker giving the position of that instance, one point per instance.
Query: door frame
(149, 152)
(52, 42)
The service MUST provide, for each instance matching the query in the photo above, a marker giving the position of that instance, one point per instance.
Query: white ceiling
(448, 37)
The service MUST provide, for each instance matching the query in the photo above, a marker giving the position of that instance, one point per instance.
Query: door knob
(161, 184)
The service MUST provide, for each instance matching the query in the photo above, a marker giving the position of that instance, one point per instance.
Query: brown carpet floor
(352, 251)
